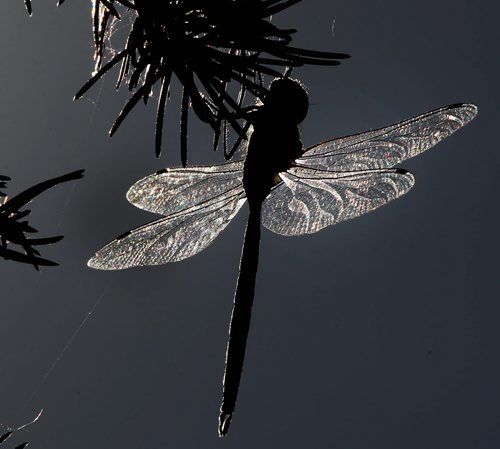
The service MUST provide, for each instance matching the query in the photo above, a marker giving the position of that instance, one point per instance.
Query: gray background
(379, 333)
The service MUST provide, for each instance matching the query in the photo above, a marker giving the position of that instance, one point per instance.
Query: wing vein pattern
(198, 203)
(343, 178)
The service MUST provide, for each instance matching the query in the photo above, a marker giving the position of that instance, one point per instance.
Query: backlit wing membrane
(309, 199)
(331, 182)
(172, 238)
(347, 177)
(386, 147)
(177, 189)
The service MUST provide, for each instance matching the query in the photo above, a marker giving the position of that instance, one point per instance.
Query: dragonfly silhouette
(289, 190)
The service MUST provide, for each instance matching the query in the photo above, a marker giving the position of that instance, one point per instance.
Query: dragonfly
(290, 191)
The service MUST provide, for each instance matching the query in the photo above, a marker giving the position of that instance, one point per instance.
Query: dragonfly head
(288, 100)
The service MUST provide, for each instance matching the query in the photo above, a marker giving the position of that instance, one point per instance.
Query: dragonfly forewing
(179, 189)
(388, 146)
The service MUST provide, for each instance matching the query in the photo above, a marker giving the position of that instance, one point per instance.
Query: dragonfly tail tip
(224, 421)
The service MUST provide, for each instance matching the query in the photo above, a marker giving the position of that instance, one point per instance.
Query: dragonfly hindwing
(197, 213)
(308, 200)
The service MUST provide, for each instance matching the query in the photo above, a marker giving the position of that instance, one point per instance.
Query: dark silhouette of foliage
(30, 9)
(28, 6)
(10, 432)
(7, 435)
(205, 45)
(3, 180)
(13, 231)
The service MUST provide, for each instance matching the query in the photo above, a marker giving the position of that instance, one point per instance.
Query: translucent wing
(172, 238)
(346, 177)
(386, 147)
(309, 199)
(176, 189)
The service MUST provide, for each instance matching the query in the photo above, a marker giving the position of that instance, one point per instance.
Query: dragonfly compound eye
(288, 99)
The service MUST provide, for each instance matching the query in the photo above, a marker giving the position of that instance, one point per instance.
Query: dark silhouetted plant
(10, 432)
(206, 45)
(13, 231)
(28, 6)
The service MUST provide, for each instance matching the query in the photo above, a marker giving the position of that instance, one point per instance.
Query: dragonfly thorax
(275, 141)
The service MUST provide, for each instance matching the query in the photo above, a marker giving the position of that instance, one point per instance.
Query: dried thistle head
(205, 45)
